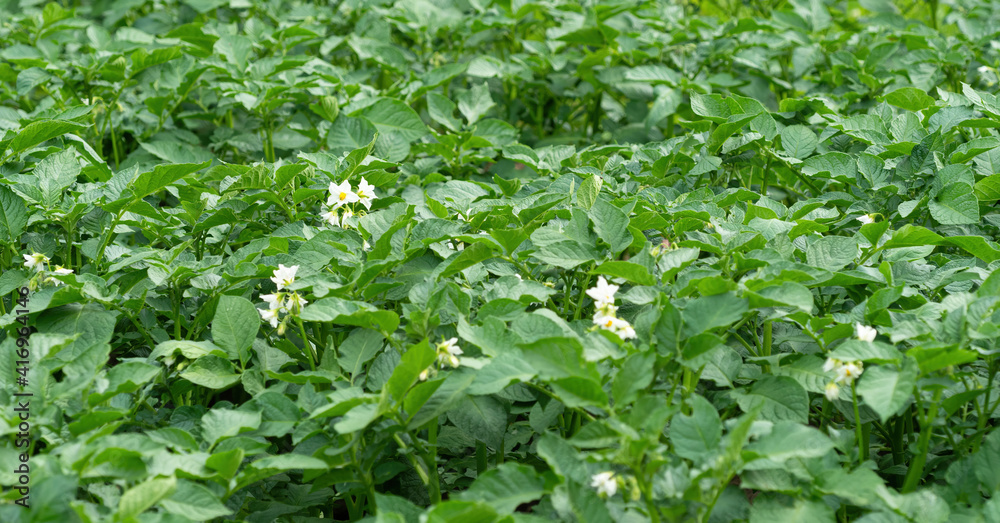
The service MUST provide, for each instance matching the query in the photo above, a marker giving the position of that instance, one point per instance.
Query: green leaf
(635, 375)
(566, 254)
(505, 487)
(465, 511)
(236, 49)
(888, 390)
(212, 372)
(766, 509)
(788, 294)
(789, 440)
(780, 398)
(977, 246)
(195, 502)
(798, 141)
(709, 312)
(360, 347)
(124, 378)
(235, 326)
(710, 106)
(909, 98)
(866, 351)
(443, 398)
(578, 391)
(141, 497)
(696, 436)
(611, 225)
(832, 252)
(161, 176)
(475, 253)
(218, 424)
(441, 109)
(350, 134)
(955, 205)
(37, 132)
(397, 124)
(481, 418)
(632, 272)
(55, 173)
(417, 358)
(586, 195)
(912, 236)
(988, 189)
(13, 215)
(507, 367)
(226, 463)
(475, 102)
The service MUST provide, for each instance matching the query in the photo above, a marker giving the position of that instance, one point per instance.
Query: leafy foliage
(502, 261)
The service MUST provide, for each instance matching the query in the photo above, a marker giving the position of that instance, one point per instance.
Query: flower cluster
(282, 301)
(40, 264)
(448, 352)
(604, 299)
(845, 372)
(341, 196)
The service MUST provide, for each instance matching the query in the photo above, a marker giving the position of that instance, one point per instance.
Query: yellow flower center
(608, 324)
(343, 196)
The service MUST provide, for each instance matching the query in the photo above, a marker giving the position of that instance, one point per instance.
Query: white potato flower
(61, 271)
(832, 391)
(348, 215)
(341, 195)
(605, 483)
(36, 261)
(866, 219)
(448, 352)
(284, 276)
(270, 316)
(625, 331)
(366, 193)
(296, 302)
(864, 332)
(603, 294)
(605, 321)
(331, 217)
(274, 301)
(983, 69)
(831, 364)
(849, 371)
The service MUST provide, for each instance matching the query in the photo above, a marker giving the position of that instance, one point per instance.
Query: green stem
(482, 456)
(916, 471)
(766, 349)
(647, 494)
(114, 142)
(413, 460)
(595, 115)
(583, 294)
(862, 452)
(310, 351)
(107, 238)
(981, 421)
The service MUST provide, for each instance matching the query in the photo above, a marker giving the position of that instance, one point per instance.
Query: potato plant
(499, 261)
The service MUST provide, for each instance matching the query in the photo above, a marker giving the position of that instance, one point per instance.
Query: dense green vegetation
(513, 261)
